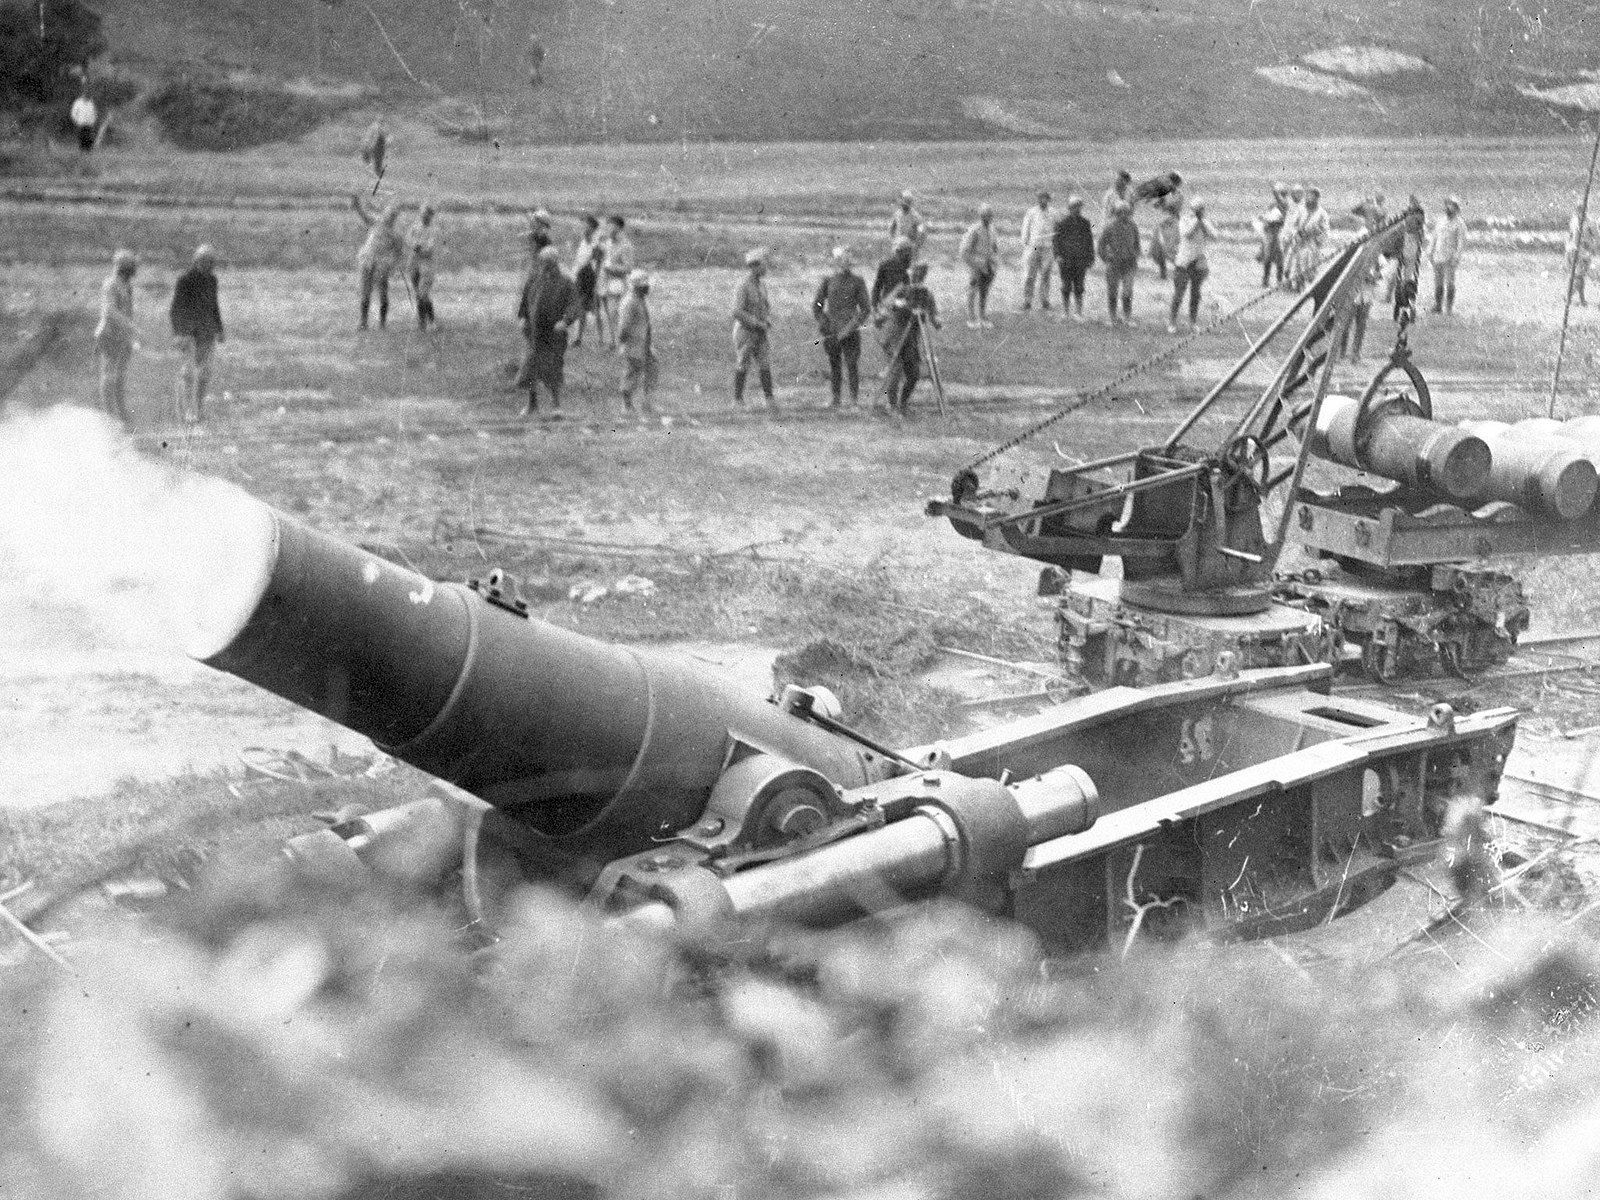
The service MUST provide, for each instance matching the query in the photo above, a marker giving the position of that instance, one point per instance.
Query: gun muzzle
(1537, 471)
(1394, 440)
(578, 739)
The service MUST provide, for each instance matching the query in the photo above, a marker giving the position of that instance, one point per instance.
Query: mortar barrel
(1537, 472)
(1427, 455)
(570, 735)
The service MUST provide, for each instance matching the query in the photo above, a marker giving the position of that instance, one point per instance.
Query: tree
(42, 69)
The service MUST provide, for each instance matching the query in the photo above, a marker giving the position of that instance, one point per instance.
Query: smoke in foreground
(267, 1041)
(148, 552)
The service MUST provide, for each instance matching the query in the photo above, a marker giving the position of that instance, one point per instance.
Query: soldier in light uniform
(980, 251)
(616, 264)
(1038, 258)
(907, 223)
(636, 344)
(115, 338)
(1446, 245)
(378, 257)
(752, 324)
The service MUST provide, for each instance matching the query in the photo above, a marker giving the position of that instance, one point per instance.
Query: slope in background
(758, 70)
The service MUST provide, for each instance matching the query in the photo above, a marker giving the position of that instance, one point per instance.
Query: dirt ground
(410, 444)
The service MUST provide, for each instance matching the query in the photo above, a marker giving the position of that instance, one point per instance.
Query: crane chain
(1139, 368)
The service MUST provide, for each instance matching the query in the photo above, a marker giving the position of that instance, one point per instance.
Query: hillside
(759, 70)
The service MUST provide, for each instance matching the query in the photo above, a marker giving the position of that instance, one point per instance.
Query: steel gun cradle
(670, 798)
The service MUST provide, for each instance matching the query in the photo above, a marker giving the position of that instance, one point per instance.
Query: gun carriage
(1240, 801)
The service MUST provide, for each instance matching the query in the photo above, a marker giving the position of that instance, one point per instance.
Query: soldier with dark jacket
(1073, 245)
(908, 308)
(549, 306)
(840, 307)
(196, 328)
(1119, 250)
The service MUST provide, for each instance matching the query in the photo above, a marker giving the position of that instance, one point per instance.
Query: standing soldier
(1164, 237)
(1311, 232)
(1289, 235)
(586, 275)
(85, 117)
(1445, 247)
(115, 336)
(549, 304)
(196, 329)
(907, 222)
(636, 344)
(1119, 250)
(893, 272)
(538, 234)
(1120, 189)
(1269, 226)
(380, 254)
(1038, 228)
(752, 324)
(374, 147)
(907, 312)
(1191, 265)
(422, 243)
(1583, 238)
(841, 308)
(616, 265)
(980, 251)
(1074, 251)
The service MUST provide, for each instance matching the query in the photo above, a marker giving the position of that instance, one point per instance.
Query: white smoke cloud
(155, 557)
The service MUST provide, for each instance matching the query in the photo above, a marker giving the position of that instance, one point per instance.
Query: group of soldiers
(196, 319)
(602, 278)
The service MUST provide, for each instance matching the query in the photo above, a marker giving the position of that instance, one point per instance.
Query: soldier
(893, 272)
(1164, 237)
(538, 234)
(636, 344)
(1446, 245)
(422, 243)
(115, 336)
(1119, 250)
(1269, 225)
(1311, 231)
(1038, 228)
(196, 320)
(1191, 265)
(616, 264)
(1120, 189)
(549, 305)
(586, 275)
(980, 251)
(907, 222)
(380, 254)
(1583, 238)
(909, 308)
(85, 117)
(752, 324)
(1289, 235)
(1074, 250)
(841, 308)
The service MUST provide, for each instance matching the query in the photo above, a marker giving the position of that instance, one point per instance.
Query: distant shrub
(43, 68)
(214, 115)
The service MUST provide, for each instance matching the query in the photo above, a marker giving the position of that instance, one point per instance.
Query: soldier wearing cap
(1038, 230)
(909, 310)
(115, 336)
(1446, 244)
(840, 308)
(1191, 265)
(1119, 250)
(549, 306)
(616, 262)
(421, 245)
(196, 320)
(1311, 231)
(752, 324)
(1120, 190)
(980, 251)
(907, 222)
(379, 256)
(1269, 226)
(636, 344)
(1073, 246)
